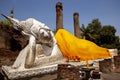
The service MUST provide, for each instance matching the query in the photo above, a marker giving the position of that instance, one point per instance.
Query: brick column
(12, 13)
(68, 72)
(76, 25)
(106, 66)
(117, 63)
(59, 16)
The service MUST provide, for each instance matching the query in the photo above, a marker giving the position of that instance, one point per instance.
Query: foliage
(91, 31)
(101, 35)
(6, 23)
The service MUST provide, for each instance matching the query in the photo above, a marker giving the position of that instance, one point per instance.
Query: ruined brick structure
(117, 63)
(12, 13)
(76, 25)
(59, 16)
(68, 72)
(106, 65)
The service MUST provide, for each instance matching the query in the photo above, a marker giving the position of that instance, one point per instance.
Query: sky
(107, 11)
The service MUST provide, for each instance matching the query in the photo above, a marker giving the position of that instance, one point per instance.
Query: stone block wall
(110, 65)
(105, 65)
(68, 72)
(117, 63)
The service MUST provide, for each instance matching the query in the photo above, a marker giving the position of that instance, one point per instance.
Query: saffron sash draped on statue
(77, 49)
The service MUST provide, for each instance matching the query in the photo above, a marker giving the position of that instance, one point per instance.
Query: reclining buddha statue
(46, 48)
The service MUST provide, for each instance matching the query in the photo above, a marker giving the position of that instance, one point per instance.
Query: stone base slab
(16, 74)
(36, 71)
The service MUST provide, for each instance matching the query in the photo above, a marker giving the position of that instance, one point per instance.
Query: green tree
(101, 35)
(107, 34)
(91, 32)
(108, 37)
(6, 23)
(83, 31)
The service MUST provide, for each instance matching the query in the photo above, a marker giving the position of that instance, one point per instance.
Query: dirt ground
(111, 76)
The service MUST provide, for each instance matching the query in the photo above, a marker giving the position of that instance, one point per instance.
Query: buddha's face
(45, 35)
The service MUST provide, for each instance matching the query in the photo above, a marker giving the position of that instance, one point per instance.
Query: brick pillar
(106, 66)
(12, 13)
(76, 25)
(68, 72)
(117, 63)
(59, 16)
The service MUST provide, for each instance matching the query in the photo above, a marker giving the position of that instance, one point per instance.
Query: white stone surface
(23, 73)
(12, 73)
(16, 74)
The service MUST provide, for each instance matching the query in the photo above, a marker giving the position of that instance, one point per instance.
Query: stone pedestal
(106, 65)
(13, 74)
(68, 72)
(87, 72)
(20, 74)
(117, 63)
(96, 74)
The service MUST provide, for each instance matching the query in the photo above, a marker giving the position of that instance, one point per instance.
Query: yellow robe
(77, 49)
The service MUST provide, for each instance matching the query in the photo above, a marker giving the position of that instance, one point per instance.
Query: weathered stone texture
(106, 66)
(59, 16)
(117, 63)
(68, 72)
(76, 25)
